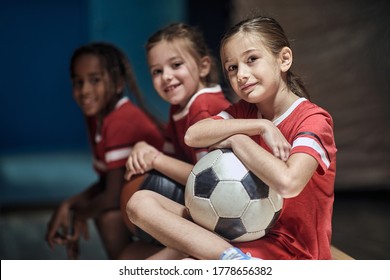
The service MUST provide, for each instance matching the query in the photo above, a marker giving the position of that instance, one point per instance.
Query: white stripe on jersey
(281, 118)
(311, 143)
(117, 154)
(184, 112)
(99, 165)
(225, 115)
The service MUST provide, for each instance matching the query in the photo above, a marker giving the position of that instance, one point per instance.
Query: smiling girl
(101, 75)
(183, 74)
(283, 138)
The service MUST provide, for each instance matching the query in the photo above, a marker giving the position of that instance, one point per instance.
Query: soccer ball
(223, 196)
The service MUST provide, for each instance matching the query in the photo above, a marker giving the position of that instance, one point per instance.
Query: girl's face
(253, 71)
(175, 73)
(90, 85)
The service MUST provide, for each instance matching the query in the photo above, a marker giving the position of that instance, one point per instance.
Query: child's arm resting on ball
(208, 132)
(286, 175)
(288, 178)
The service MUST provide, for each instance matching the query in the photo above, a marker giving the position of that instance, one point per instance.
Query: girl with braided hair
(101, 76)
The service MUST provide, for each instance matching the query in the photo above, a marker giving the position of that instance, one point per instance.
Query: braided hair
(118, 67)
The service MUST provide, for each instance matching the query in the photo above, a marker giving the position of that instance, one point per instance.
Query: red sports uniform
(205, 103)
(303, 230)
(121, 129)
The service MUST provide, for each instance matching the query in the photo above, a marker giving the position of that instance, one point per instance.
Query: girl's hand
(58, 226)
(275, 140)
(73, 250)
(271, 135)
(80, 228)
(141, 159)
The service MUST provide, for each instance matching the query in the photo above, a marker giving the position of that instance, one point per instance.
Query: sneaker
(234, 253)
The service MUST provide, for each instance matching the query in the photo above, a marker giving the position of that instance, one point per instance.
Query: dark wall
(44, 152)
(213, 21)
(37, 38)
(340, 49)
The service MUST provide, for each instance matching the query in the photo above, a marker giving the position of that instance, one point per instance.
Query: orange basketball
(128, 190)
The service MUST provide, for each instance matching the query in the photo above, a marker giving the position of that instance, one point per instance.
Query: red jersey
(121, 129)
(205, 103)
(303, 230)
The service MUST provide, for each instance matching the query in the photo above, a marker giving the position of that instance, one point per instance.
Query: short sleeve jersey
(303, 230)
(205, 103)
(121, 129)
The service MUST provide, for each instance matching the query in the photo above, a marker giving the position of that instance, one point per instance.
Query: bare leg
(139, 250)
(168, 254)
(128, 190)
(166, 221)
(113, 233)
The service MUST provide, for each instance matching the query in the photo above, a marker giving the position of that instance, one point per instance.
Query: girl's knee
(137, 204)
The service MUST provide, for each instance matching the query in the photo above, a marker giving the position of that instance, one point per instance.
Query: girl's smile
(171, 88)
(247, 88)
(90, 85)
(175, 74)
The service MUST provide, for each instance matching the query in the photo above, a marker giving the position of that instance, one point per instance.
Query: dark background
(340, 49)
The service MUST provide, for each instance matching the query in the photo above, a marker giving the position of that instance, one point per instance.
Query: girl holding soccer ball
(282, 137)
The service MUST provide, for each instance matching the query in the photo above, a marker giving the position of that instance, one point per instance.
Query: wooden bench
(337, 254)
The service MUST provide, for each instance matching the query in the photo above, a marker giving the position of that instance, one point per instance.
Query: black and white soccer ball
(223, 196)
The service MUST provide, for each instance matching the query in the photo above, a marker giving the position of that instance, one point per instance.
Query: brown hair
(195, 41)
(273, 37)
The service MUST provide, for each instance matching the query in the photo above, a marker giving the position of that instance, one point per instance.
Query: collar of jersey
(184, 112)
